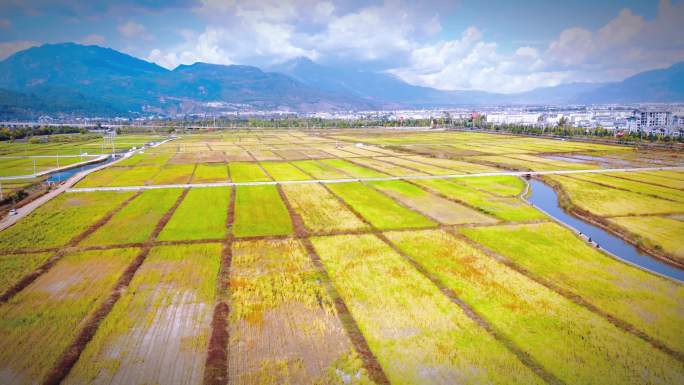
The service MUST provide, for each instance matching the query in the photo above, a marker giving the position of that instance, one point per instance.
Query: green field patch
(210, 173)
(651, 303)
(320, 210)
(438, 208)
(103, 178)
(13, 267)
(158, 331)
(416, 333)
(174, 174)
(606, 201)
(259, 211)
(247, 172)
(378, 209)
(576, 345)
(503, 185)
(282, 316)
(506, 208)
(201, 215)
(283, 171)
(60, 220)
(39, 323)
(352, 169)
(318, 170)
(136, 176)
(135, 222)
(660, 233)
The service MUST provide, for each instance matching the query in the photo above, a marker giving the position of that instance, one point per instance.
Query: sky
(490, 45)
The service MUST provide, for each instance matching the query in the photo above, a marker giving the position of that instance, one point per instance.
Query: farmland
(346, 257)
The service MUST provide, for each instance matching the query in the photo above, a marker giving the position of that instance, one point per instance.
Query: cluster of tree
(7, 133)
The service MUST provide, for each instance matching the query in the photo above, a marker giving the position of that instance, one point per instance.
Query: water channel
(545, 198)
(63, 175)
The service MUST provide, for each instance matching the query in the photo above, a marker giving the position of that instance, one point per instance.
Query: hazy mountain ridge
(91, 80)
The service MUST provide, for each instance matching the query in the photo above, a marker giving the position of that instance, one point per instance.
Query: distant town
(648, 119)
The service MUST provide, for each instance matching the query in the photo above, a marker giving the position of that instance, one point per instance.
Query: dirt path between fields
(216, 365)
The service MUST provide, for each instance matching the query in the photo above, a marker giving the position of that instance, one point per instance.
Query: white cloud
(400, 36)
(133, 30)
(624, 46)
(10, 47)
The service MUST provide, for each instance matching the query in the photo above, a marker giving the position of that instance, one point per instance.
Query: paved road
(23, 211)
(348, 180)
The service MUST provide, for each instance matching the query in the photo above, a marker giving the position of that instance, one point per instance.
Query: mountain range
(74, 79)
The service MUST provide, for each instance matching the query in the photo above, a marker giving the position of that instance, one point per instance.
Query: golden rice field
(346, 257)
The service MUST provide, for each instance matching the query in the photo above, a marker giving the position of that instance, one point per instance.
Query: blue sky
(495, 45)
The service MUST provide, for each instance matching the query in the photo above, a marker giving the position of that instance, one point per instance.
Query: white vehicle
(13, 212)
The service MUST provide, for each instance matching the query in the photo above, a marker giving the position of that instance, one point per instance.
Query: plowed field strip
(28, 279)
(370, 362)
(216, 366)
(71, 355)
(576, 298)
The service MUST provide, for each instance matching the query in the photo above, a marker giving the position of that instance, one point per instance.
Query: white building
(652, 120)
(525, 119)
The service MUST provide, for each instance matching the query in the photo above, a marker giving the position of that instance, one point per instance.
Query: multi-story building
(652, 120)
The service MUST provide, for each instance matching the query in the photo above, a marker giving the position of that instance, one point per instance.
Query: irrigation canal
(545, 198)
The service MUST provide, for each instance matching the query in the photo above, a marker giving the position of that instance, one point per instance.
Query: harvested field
(39, 323)
(158, 330)
(283, 324)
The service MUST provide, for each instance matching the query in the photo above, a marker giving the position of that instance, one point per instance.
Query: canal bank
(545, 198)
